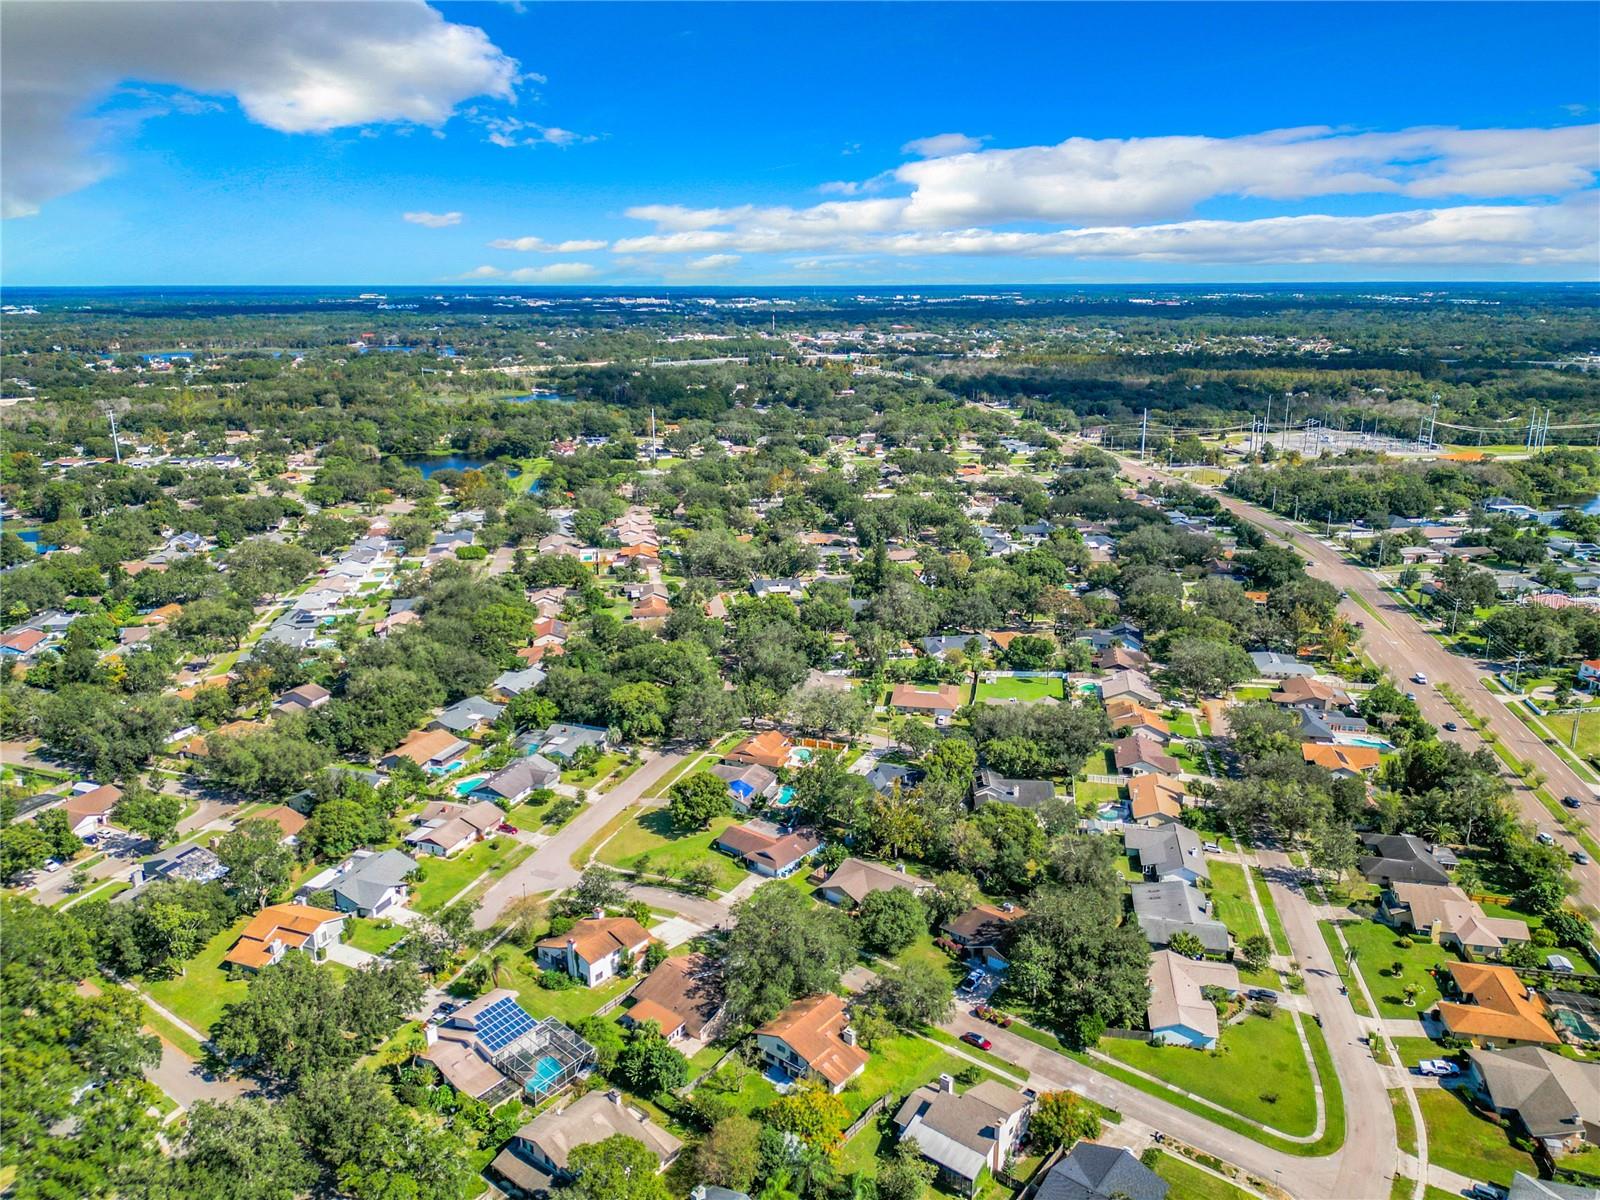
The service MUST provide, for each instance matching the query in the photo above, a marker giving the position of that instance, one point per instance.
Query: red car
(976, 1039)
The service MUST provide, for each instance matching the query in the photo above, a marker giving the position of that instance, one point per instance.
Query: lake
(428, 464)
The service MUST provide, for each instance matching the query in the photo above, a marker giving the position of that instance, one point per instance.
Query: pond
(428, 464)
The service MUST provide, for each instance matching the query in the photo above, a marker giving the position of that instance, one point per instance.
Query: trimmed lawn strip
(1009, 688)
(1336, 952)
(1462, 1141)
(648, 842)
(1232, 901)
(1189, 1182)
(447, 876)
(1405, 1129)
(1377, 948)
(1280, 940)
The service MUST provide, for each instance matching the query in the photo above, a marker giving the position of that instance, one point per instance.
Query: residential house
(1095, 1172)
(827, 679)
(813, 1039)
(1495, 1007)
(515, 782)
(514, 683)
(368, 883)
(1327, 728)
(192, 864)
(1270, 664)
(855, 879)
(1174, 906)
(433, 750)
(444, 830)
(490, 1048)
(1179, 1013)
(1155, 800)
(749, 783)
(1527, 1187)
(1589, 673)
(538, 1157)
(777, 587)
(770, 749)
(1166, 852)
(1141, 755)
(561, 741)
(684, 996)
(937, 701)
(1445, 914)
(886, 776)
(305, 698)
(1120, 658)
(89, 812)
(279, 928)
(1303, 691)
(23, 643)
(991, 787)
(288, 821)
(982, 932)
(1129, 685)
(1552, 1099)
(1129, 716)
(943, 644)
(1344, 762)
(768, 850)
(468, 716)
(594, 949)
(964, 1135)
(1402, 858)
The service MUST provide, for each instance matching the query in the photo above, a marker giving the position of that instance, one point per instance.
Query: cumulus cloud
(296, 68)
(564, 272)
(433, 220)
(942, 144)
(712, 262)
(540, 246)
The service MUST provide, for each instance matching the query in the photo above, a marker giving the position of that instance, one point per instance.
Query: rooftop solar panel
(502, 1023)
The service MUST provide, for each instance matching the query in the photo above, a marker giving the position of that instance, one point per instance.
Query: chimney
(615, 1097)
(947, 1083)
(430, 1033)
(847, 1035)
(599, 913)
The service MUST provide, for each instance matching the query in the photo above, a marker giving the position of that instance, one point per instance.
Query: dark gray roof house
(468, 714)
(1167, 851)
(1171, 906)
(1400, 858)
(367, 883)
(948, 643)
(1270, 664)
(516, 780)
(1096, 1172)
(885, 775)
(991, 787)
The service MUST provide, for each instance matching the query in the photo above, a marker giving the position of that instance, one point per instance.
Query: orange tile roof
(291, 924)
(1152, 795)
(812, 1028)
(1123, 712)
(1337, 758)
(770, 749)
(911, 695)
(1503, 1007)
(422, 744)
(596, 937)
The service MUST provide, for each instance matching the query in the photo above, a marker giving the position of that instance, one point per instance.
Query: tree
(730, 1155)
(1207, 667)
(243, 1150)
(259, 864)
(264, 764)
(1186, 944)
(618, 1168)
(1062, 1119)
(598, 888)
(906, 1174)
(153, 814)
(781, 948)
(57, 829)
(1074, 959)
(649, 1063)
(23, 847)
(698, 800)
(812, 1113)
(1255, 953)
(914, 996)
(1334, 850)
(640, 710)
(890, 920)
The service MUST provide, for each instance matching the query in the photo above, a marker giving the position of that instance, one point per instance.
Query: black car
(1450, 726)
(1571, 801)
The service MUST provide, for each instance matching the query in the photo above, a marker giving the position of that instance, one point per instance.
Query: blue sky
(799, 144)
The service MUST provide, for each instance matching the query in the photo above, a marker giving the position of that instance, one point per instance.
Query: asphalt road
(1400, 643)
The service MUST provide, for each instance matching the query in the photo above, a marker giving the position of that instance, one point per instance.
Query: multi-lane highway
(1396, 640)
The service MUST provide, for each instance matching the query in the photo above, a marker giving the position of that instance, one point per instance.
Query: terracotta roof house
(592, 951)
(1155, 800)
(1402, 858)
(536, 1159)
(288, 821)
(962, 1135)
(89, 812)
(430, 749)
(1553, 1099)
(768, 850)
(1345, 762)
(1303, 691)
(684, 996)
(279, 928)
(1496, 1007)
(1138, 754)
(652, 610)
(1445, 914)
(1128, 715)
(199, 745)
(1179, 1014)
(938, 702)
(812, 1039)
(855, 879)
(770, 749)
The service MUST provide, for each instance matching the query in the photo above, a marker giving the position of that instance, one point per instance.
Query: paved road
(549, 868)
(187, 1082)
(1402, 644)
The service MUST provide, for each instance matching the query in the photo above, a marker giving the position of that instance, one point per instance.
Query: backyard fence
(872, 1110)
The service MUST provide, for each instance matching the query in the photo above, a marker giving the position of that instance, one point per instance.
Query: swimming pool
(546, 1074)
(785, 796)
(466, 785)
(801, 754)
(1374, 743)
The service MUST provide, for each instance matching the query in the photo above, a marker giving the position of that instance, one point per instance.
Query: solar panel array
(502, 1023)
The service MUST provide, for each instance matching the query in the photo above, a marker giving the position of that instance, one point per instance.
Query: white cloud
(433, 220)
(296, 68)
(564, 272)
(511, 132)
(942, 144)
(540, 246)
(712, 262)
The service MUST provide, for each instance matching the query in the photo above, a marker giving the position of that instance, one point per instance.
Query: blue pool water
(802, 754)
(785, 796)
(545, 1073)
(1375, 743)
(466, 785)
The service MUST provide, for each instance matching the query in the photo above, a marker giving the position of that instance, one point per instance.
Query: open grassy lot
(600, 767)
(1189, 1182)
(527, 817)
(1231, 901)
(1257, 1058)
(373, 936)
(1460, 1140)
(1099, 793)
(1244, 694)
(649, 841)
(1020, 689)
(1377, 949)
(199, 995)
(447, 876)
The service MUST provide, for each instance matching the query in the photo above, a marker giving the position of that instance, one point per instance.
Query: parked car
(1439, 1068)
(971, 982)
(1211, 848)
(973, 1038)
(1571, 801)
(1265, 995)
(52, 866)
(1487, 1191)
(1450, 726)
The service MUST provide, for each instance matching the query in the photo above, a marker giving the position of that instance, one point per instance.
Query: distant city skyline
(626, 145)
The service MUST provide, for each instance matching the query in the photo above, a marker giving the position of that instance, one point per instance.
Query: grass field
(1588, 727)
(1377, 949)
(650, 841)
(1259, 1057)
(1020, 689)
(1460, 1140)
(568, 1005)
(199, 995)
(1099, 793)
(447, 876)
(1189, 1182)
(600, 767)
(373, 936)
(1405, 1128)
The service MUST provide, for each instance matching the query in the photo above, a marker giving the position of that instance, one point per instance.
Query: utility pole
(1266, 424)
(116, 446)
(655, 453)
(1144, 429)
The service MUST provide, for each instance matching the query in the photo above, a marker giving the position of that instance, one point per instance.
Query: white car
(1438, 1067)
(52, 866)
(1545, 838)
(1419, 677)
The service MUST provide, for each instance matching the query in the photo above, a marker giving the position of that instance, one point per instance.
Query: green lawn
(1245, 694)
(1280, 939)
(1588, 726)
(1336, 952)
(447, 876)
(649, 841)
(1462, 1141)
(1189, 1182)
(568, 1005)
(1258, 1057)
(1231, 901)
(584, 776)
(1183, 725)
(1378, 948)
(1020, 689)
(373, 936)
(527, 817)
(1412, 1050)
(200, 993)
(1100, 793)
(1405, 1128)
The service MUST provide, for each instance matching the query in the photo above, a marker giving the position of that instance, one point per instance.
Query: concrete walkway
(350, 956)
